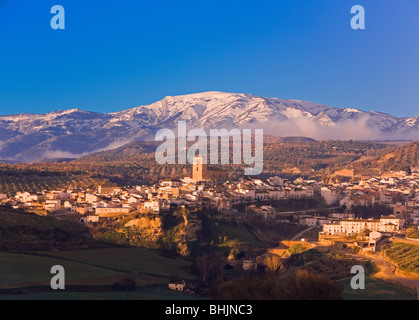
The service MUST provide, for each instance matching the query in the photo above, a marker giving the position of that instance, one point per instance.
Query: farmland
(91, 274)
(406, 256)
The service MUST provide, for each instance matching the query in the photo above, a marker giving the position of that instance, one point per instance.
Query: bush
(247, 287)
(307, 286)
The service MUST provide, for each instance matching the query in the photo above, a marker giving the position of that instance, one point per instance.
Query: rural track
(388, 272)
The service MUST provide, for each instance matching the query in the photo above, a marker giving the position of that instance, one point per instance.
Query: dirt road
(388, 271)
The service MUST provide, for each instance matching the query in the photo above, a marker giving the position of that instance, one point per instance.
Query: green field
(239, 232)
(130, 260)
(20, 268)
(90, 274)
(376, 289)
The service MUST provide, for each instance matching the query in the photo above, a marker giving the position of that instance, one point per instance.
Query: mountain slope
(74, 133)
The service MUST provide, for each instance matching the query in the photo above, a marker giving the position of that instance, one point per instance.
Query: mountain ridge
(73, 133)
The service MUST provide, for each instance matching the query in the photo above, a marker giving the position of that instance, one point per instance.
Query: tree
(208, 267)
(247, 287)
(306, 286)
(274, 264)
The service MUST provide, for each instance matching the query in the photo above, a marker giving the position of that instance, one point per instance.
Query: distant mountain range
(74, 133)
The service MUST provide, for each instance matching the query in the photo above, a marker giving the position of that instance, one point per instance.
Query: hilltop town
(209, 188)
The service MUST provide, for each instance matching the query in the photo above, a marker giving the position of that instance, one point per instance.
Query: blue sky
(115, 55)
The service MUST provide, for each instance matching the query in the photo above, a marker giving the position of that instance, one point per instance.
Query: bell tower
(199, 169)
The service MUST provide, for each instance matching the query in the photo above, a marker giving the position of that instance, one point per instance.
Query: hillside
(397, 158)
(45, 176)
(135, 164)
(405, 255)
(20, 230)
(312, 158)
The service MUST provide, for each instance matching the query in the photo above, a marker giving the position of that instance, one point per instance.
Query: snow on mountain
(29, 137)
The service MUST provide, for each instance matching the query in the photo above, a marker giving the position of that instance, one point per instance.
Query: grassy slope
(96, 269)
(20, 230)
(376, 289)
(20, 268)
(136, 260)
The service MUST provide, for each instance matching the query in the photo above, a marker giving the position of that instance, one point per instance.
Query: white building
(356, 226)
(104, 212)
(52, 205)
(89, 219)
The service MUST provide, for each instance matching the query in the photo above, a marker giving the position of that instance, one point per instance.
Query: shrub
(307, 286)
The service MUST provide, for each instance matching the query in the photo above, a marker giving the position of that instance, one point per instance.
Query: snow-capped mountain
(72, 133)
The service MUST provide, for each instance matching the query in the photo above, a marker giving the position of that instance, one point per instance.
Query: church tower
(199, 169)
